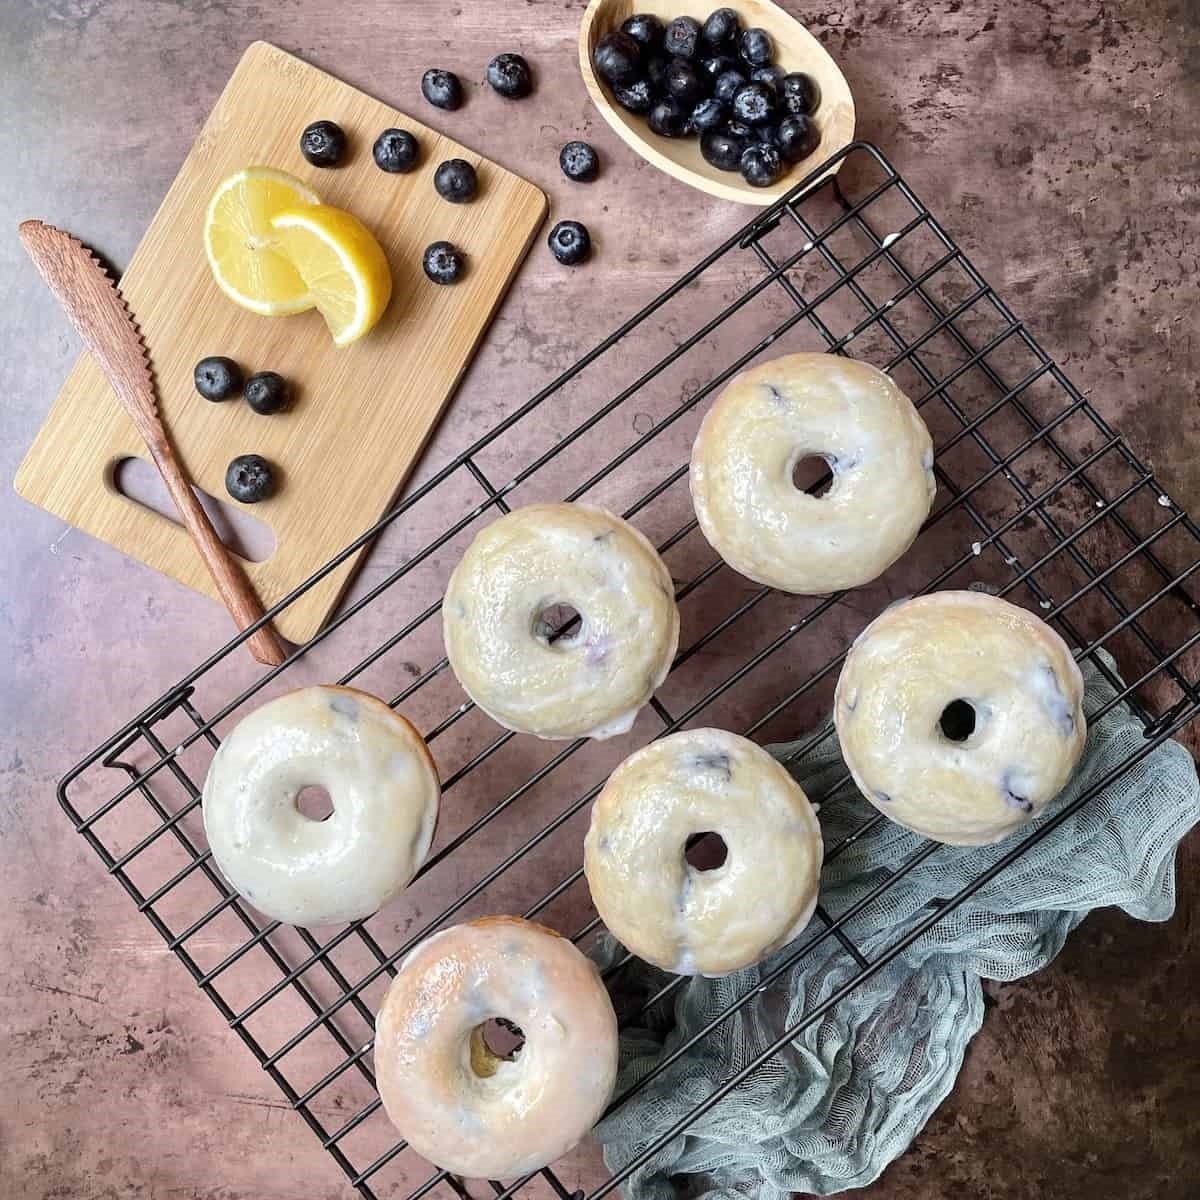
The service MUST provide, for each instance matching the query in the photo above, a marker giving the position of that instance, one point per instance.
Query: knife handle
(236, 593)
(100, 315)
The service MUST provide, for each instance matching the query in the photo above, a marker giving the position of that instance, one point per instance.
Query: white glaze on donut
(588, 684)
(670, 913)
(768, 419)
(383, 786)
(1017, 674)
(455, 1102)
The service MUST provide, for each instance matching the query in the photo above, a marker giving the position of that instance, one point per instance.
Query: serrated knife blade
(96, 308)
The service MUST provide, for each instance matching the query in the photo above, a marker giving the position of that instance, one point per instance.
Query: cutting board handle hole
(246, 536)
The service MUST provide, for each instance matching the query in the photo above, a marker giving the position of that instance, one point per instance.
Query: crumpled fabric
(848, 1094)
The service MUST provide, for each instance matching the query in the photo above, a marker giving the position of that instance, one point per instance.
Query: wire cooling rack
(1039, 500)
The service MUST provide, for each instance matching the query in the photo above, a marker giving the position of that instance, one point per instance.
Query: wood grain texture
(103, 320)
(795, 50)
(363, 413)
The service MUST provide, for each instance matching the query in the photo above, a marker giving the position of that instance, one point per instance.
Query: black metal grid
(1038, 498)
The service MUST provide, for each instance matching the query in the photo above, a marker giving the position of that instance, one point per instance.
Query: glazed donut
(592, 682)
(654, 901)
(457, 1103)
(801, 406)
(960, 716)
(380, 778)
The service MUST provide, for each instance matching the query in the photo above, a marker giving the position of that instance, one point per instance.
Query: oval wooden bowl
(795, 50)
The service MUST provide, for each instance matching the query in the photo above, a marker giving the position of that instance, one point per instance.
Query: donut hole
(498, 1040)
(557, 623)
(957, 721)
(812, 473)
(315, 803)
(705, 851)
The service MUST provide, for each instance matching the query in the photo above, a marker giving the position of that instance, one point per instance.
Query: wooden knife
(99, 313)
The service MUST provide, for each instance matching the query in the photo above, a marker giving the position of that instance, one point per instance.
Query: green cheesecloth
(849, 1093)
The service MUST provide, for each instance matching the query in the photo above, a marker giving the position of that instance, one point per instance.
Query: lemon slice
(342, 265)
(242, 248)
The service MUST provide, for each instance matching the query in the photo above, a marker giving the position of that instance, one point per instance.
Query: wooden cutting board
(362, 414)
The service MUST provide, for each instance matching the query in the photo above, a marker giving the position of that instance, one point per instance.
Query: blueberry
(797, 138)
(323, 143)
(722, 149)
(756, 47)
(444, 262)
(722, 28)
(771, 75)
(685, 83)
(267, 393)
(747, 135)
(455, 180)
(761, 165)
(656, 72)
(509, 75)
(617, 58)
(579, 162)
(800, 94)
(249, 478)
(645, 29)
(753, 103)
(767, 135)
(217, 378)
(636, 98)
(708, 114)
(570, 243)
(668, 118)
(682, 37)
(727, 84)
(396, 151)
(442, 89)
(715, 65)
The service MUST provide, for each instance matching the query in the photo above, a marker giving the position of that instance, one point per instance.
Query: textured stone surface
(1057, 142)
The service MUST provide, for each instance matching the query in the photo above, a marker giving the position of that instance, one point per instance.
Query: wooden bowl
(795, 50)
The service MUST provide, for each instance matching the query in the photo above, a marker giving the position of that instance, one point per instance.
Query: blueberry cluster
(249, 477)
(219, 378)
(508, 74)
(397, 151)
(716, 80)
